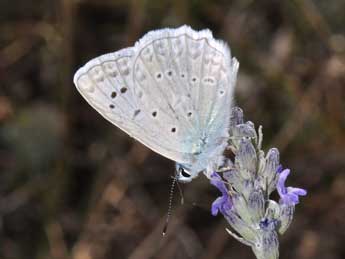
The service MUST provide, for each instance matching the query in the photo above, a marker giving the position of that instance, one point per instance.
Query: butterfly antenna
(171, 196)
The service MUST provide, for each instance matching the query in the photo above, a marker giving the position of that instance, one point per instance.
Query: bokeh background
(72, 186)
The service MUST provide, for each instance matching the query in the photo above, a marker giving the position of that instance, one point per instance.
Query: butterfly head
(184, 174)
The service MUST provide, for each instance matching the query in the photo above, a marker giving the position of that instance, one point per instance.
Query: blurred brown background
(73, 186)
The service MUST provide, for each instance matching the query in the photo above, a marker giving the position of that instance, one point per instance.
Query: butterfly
(172, 91)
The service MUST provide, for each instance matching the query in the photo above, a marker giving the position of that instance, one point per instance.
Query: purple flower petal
(281, 182)
(223, 203)
(288, 195)
(268, 224)
(297, 191)
(216, 206)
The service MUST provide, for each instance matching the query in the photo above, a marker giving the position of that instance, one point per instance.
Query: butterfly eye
(183, 172)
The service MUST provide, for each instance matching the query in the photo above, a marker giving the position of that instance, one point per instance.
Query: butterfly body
(172, 91)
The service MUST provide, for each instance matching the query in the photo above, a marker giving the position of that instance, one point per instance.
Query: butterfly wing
(169, 91)
(106, 84)
(186, 78)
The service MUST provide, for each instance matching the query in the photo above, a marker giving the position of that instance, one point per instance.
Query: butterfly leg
(224, 169)
(227, 165)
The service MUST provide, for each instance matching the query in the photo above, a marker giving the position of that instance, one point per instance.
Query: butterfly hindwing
(188, 78)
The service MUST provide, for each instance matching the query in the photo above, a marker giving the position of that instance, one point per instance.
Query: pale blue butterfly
(172, 92)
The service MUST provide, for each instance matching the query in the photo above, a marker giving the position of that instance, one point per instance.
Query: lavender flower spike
(288, 195)
(222, 204)
(246, 184)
